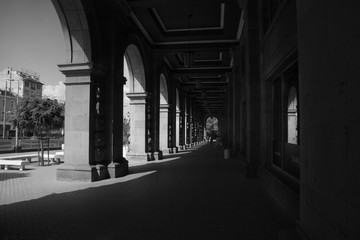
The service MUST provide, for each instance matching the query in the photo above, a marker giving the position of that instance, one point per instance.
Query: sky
(31, 37)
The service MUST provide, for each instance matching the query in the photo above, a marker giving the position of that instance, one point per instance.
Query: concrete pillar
(236, 76)
(137, 138)
(329, 70)
(177, 142)
(190, 125)
(119, 165)
(177, 132)
(253, 89)
(182, 130)
(78, 159)
(164, 126)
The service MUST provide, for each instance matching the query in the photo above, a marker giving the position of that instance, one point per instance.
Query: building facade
(23, 83)
(7, 112)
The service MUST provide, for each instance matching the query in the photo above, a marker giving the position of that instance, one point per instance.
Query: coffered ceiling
(207, 29)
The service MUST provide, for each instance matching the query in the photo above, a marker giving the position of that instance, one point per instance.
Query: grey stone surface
(194, 194)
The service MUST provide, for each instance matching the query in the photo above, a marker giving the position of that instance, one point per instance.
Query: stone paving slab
(194, 194)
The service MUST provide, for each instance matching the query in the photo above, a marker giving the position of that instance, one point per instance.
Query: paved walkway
(194, 194)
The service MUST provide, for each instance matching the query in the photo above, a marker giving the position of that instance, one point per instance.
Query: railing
(27, 144)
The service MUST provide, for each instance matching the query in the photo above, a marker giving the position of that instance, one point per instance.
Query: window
(285, 127)
(292, 135)
(38, 86)
(26, 84)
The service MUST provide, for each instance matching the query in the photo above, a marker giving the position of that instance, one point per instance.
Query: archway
(164, 115)
(212, 129)
(134, 125)
(177, 119)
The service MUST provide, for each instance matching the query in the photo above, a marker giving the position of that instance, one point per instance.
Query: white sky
(31, 37)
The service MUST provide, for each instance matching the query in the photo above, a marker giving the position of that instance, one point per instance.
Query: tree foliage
(35, 115)
(212, 128)
(126, 129)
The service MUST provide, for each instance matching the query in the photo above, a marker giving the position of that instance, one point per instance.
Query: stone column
(119, 165)
(164, 126)
(182, 130)
(78, 159)
(182, 122)
(177, 124)
(253, 90)
(137, 144)
(172, 129)
(189, 122)
(237, 100)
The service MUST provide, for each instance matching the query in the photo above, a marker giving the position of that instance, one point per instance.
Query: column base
(77, 172)
(102, 172)
(142, 157)
(118, 169)
(158, 155)
(166, 151)
(175, 149)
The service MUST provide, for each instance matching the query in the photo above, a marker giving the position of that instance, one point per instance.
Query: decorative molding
(166, 30)
(229, 41)
(210, 60)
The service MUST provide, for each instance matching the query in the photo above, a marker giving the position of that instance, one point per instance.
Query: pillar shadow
(185, 198)
(10, 175)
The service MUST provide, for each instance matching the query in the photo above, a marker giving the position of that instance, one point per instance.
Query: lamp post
(4, 115)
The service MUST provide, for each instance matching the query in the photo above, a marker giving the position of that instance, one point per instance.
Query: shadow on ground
(6, 175)
(194, 196)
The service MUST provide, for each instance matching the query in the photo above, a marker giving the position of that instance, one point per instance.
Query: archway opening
(32, 45)
(212, 129)
(133, 102)
(164, 114)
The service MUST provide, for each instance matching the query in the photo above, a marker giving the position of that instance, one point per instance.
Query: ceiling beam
(203, 71)
(197, 45)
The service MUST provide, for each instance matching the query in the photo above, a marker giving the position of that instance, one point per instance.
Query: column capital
(79, 73)
(137, 98)
(164, 107)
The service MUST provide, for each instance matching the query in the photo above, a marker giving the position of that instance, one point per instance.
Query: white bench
(20, 157)
(28, 157)
(7, 163)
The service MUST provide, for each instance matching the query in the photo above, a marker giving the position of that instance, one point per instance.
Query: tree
(212, 127)
(35, 115)
(126, 129)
